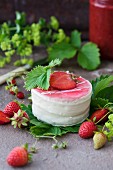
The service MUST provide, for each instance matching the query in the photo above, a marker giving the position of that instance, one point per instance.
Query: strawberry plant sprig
(20, 38)
(40, 76)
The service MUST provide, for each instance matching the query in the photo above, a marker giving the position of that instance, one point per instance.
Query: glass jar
(101, 26)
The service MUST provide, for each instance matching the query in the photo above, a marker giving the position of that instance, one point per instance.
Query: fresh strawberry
(3, 118)
(13, 81)
(99, 140)
(98, 115)
(13, 90)
(87, 129)
(19, 156)
(20, 119)
(62, 80)
(20, 95)
(11, 108)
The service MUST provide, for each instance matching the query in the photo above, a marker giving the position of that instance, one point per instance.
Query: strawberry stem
(103, 117)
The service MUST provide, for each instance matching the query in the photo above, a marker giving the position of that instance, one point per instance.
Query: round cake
(63, 107)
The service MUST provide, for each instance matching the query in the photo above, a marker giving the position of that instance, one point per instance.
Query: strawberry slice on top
(62, 80)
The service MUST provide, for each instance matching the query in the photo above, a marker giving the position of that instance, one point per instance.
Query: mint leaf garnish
(39, 76)
(88, 56)
(76, 39)
(62, 51)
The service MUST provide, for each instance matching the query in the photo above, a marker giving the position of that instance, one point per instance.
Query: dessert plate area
(79, 154)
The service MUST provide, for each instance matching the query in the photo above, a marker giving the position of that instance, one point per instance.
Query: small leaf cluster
(20, 38)
(109, 125)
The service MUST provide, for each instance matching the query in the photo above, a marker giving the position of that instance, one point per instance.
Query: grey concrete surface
(79, 155)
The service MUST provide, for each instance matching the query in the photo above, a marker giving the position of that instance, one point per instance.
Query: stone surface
(79, 155)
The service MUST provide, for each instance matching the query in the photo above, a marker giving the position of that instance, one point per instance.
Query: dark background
(72, 14)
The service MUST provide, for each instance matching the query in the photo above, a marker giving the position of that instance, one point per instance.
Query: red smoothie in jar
(101, 26)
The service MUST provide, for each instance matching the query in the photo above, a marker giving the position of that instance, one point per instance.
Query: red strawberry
(19, 156)
(62, 80)
(87, 129)
(20, 119)
(20, 95)
(12, 92)
(3, 118)
(13, 81)
(11, 108)
(99, 114)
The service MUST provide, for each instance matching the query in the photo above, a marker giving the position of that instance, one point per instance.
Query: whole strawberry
(13, 90)
(100, 114)
(20, 119)
(3, 118)
(20, 95)
(19, 156)
(99, 140)
(11, 108)
(13, 81)
(87, 129)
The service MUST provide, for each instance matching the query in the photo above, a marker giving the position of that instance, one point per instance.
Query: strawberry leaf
(88, 56)
(76, 38)
(40, 76)
(62, 51)
(100, 84)
(99, 102)
(106, 93)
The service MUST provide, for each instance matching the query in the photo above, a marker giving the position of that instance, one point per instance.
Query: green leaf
(20, 20)
(40, 76)
(76, 38)
(39, 124)
(106, 93)
(71, 129)
(101, 84)
(36, 131)
(99, 102)
(88, 56)
(62, 51)
(50, 131)
(54, 63)
(28, 110)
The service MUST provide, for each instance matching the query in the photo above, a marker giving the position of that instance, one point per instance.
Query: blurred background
(72, 14)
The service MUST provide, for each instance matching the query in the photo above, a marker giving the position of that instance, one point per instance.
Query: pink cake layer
(82, 89)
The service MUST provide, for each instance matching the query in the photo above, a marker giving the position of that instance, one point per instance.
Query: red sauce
(101, 26)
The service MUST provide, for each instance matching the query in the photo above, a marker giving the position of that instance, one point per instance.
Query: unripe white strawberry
(99, 140)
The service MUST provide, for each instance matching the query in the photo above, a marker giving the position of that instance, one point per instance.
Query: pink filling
(82, 89)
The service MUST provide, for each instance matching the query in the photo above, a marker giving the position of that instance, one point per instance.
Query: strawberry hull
(63, 107)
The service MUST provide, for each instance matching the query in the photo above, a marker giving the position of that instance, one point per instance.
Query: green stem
(103, 117)
(48, 137)
(13, 29)
(103, 128)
